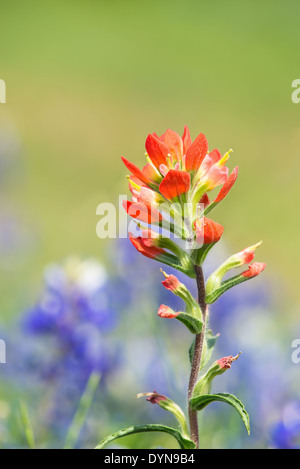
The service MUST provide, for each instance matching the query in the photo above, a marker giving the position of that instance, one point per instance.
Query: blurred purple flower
(75, 312)
(286, 433)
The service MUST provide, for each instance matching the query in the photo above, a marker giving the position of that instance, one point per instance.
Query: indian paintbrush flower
(179, 175)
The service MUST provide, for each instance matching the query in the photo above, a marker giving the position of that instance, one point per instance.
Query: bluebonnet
(65, 336)
(83, 322)
(285, 433)
(74, 310)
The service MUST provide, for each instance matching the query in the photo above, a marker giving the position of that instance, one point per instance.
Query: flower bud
(146, 247)
(208, 233)
(214, 291)
(247, 255)
(175, 286)
(254, 269)
(171, 283)
(167, 404)
(237, 260)
(166, 312)
(193, 323)
(218, 367)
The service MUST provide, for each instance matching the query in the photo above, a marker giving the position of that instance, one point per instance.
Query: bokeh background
(86, 82)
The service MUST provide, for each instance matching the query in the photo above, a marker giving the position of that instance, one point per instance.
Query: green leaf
(224, 286)
(193, 324)
(25, 420)
(82, 410)
(209, 208)
(199, 254)
(184, 443)
(198, 403)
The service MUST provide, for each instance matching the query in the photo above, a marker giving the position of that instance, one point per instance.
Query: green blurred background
(87, 81)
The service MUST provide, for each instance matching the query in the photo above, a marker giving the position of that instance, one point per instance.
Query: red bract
(135, 171)
(157, 150)
(175, 184)
(196, 153)
(171, 283)
(186, 139)
(145, 247)
(215, 155)
(142, 211)
(178, 166)
(247, 255)
(204, 200)
(254, 269)
(227, 185)
(166, 312)
(215, 176)
(174, 143)
(208, 231)
(225, 362)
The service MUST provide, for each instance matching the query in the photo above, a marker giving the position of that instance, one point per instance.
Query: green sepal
(199, 254)
(210, 207)
(198, 403)
(205, 382)
(208, 347)
(179, 253)
(193, 324)
(168, 226)
(173, 261)
(198, 192)
(217, 368)
(224, 286)
(215, 279)
(184, 443)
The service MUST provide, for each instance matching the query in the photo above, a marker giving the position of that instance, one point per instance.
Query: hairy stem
(199, 341)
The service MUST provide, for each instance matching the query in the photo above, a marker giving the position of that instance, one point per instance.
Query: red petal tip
(171, 283)
(254, 269)
(166, 312)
